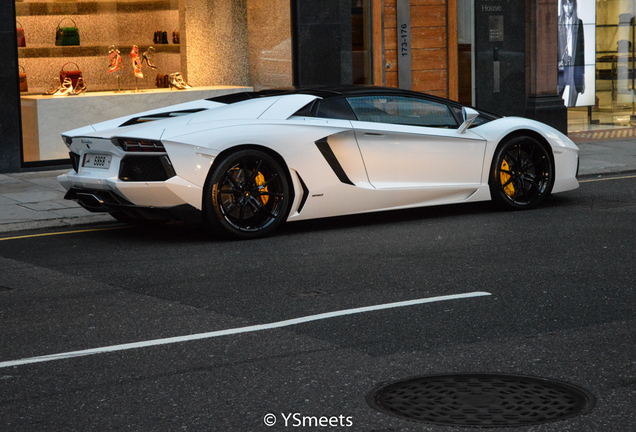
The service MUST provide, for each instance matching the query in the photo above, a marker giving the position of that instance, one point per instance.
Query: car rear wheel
(247, 195)
(522, 173)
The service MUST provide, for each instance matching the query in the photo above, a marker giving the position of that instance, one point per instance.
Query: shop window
(122, 57)
(615, 54)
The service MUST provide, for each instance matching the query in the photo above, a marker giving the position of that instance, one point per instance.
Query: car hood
(497, 129)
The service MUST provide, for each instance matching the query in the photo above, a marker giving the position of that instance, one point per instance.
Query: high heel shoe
(177, 81)
(80, 87)
(115, 59)
(55, 85)
(146, 58)
(65, 88)
(181, 81)
(136, 62)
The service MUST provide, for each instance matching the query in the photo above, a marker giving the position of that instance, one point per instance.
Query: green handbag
(66, 36)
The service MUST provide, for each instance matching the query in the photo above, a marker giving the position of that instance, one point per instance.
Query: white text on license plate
(96, 161)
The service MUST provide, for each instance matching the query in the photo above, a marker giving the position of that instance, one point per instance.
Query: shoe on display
(55, 85)
(79, 88)
(136, 61)
(65, 88)
(115, 59)
(146, 57)
(177, 81)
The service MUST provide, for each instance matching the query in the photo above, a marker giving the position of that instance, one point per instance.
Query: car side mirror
(469, 116)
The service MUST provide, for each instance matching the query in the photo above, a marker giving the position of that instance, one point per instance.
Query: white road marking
(278, 324)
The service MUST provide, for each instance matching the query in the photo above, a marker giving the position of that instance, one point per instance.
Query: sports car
(244, 163)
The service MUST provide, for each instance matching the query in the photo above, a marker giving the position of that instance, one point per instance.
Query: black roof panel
(320, 91)
(330, 91)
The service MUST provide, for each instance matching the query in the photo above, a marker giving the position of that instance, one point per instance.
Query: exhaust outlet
(90, 202)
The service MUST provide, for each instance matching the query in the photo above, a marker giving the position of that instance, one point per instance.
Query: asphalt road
(549, 293)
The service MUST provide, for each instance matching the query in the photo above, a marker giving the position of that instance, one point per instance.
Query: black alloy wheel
(246, 196)
(522, 173)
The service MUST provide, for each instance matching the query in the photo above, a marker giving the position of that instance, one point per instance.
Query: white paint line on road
(285, 323)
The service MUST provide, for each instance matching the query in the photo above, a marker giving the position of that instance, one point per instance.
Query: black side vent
(305, 193)
(332, 160)
(74, 161)
(146, 168)
(159, 116)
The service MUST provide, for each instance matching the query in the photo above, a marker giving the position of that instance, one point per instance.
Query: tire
(247, 195)
(522, 173)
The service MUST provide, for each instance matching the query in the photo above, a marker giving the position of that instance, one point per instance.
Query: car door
(409, 142)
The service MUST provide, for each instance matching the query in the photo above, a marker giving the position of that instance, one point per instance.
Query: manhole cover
(481, 400)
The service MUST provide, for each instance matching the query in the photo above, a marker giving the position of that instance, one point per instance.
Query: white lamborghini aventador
(246, 162)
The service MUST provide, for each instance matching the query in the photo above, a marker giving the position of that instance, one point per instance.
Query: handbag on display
(162, 81)
(67, 36)
(73, 74)
(20, 32)
(24, 86)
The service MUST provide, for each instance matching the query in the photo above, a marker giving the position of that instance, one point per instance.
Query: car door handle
(373, 134)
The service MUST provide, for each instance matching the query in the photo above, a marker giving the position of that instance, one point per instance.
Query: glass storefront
(87, 61)
(614, 104)
(597, 78)
(361, 41)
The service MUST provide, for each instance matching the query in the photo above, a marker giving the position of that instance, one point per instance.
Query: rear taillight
(139, 145)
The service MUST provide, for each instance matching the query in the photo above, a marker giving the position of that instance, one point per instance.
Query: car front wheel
(522, 173)
(247, 195)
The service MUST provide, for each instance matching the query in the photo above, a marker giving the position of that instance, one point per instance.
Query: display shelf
(45, 117)
(101, 24)
(40, 51)
(91, 7)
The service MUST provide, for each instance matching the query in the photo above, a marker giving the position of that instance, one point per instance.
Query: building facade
(551, 60)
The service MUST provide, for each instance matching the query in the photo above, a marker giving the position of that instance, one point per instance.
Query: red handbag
(20, 32)
(74, 74)
(24, 86)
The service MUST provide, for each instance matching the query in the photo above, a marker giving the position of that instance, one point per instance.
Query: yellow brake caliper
(260, 181)
(509, 189)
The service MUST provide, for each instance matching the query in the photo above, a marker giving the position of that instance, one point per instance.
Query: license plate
(96, 161)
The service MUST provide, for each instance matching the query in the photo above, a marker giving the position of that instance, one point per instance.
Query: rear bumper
(98, 200)
(102, 201)
(112, 191)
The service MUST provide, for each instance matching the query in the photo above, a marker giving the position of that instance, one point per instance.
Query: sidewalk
(36, 200)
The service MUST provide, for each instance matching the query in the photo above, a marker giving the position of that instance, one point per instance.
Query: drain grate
(481, 400)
